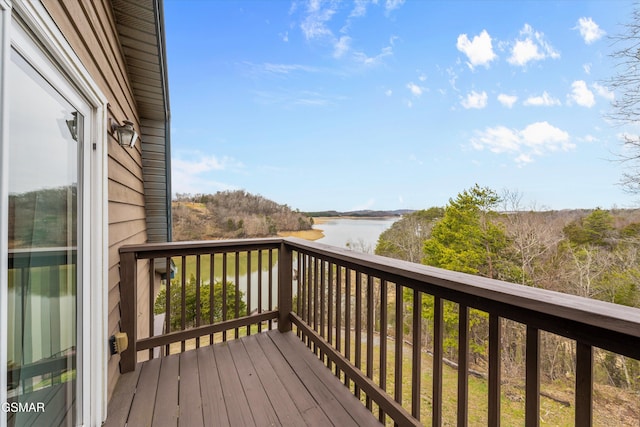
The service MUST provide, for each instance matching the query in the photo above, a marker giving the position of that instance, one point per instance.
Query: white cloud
(604, 92)
(388, 92)
(536, 139)
(359, 8)
(390, 5)
(531, 46)
(341, 46)
(581, 95)
(589, 30)
(314, 25)
(282, 68)
(195, 176)
(475, 99)
(587, 68)
(479, 51)
(371, 61)
(415, 89)
(507, 100)
(544, 100)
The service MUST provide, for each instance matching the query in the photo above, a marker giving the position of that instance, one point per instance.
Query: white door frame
(94, 297)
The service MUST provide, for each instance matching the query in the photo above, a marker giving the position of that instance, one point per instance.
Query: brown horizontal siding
(121, 212)
(124, 177)
(123, 194)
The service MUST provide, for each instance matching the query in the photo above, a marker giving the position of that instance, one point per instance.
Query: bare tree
(626, 106)
(532, 236)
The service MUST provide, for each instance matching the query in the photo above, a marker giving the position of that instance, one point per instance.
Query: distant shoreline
(317, 233)
(323, 219)
(310, 235)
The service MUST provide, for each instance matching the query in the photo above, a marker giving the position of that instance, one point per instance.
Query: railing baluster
(494, 369)
(532, 375)
(198, 302)
(183, 293)
(330, 314)
(399, 345)
(383, 344)
(584, 385)
(316, 300)
(338, 312)
(211, 292)
(358, 340)
(347, 319)
(237, 295)
(224, 293)
(260, 287)
(299, 297)
(463, 364)
(152, 273)
(369, 334)
(309, 269)
(437, 361)
(302, 278)
(416, 365)
(167, 302)
(270, 286)
(248, 289)
(322, 304)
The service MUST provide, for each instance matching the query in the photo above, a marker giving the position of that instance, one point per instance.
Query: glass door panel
(45, 148)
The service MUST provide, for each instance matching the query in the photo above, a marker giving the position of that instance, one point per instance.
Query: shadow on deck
(266, 379)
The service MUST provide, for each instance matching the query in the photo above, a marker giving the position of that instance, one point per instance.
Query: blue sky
(390, 104)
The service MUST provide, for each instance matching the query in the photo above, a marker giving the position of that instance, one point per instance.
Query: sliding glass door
(46, 150)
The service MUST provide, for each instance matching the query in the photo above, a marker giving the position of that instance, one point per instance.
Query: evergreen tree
(468, 238)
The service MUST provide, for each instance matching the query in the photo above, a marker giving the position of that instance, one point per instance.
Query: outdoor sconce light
(126, 134)
(72, 125)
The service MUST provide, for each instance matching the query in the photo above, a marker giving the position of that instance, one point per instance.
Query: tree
(190, 302)
(467, 238)
(405, 238)
(626, 106)
(533, 236)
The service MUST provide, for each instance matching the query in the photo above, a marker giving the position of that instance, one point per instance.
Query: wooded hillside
(232, 214)
(591, 253)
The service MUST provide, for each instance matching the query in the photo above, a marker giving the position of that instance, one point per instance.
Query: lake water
(361, 232)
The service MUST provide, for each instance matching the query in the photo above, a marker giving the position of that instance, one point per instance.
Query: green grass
(241, 260)
(512, 409)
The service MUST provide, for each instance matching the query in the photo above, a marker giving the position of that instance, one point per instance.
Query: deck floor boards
(264, 379)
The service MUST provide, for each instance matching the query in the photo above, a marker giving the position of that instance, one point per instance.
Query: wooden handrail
(599, 323)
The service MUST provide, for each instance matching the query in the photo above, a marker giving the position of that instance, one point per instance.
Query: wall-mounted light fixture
(126, 133)
(72, 125)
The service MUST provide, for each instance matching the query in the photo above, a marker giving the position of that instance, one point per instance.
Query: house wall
(89, 27)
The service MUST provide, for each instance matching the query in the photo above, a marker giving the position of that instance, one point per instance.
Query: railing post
(285, 284)
(128, 304)
(584, 385)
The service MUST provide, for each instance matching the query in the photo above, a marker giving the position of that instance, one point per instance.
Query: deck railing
(345, 306)
(38, 279)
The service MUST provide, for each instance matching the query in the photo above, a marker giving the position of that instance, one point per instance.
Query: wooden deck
(265, 379)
